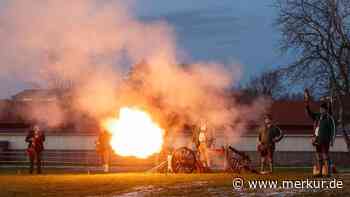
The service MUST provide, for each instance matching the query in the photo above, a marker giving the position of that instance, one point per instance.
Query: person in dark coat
(323, 137)
(104, 148)
(269, 135)
(35, 140)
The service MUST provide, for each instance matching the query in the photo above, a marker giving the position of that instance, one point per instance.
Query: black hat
(324, 106)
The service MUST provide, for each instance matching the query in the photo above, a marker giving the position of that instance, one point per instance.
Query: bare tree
(318, 32)
(267, 83)
(291, 96)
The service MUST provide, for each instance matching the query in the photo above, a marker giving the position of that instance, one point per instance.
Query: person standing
(104, 149)
(203, 140)
(35, 139)
(269, 135)
(323, 136)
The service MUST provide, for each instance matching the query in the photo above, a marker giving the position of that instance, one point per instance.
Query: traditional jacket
(35, 142)
(270, 135)
(324, 126)
(103, 141)
(200, 136)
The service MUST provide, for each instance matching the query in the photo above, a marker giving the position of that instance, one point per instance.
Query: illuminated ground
(57, 184)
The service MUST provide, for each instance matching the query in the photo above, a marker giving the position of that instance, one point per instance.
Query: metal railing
(50, 158)
(64, 158)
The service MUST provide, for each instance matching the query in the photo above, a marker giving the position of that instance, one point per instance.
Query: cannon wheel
(183, 160)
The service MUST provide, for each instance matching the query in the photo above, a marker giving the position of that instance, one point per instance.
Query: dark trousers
(266, 156)
(34, 158)
(322, 156)
(322, 151)
(267, 151)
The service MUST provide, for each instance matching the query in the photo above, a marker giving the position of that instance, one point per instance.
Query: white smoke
(86, 44)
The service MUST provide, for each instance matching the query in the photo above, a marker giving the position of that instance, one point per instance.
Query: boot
(319, 169)
(271, 167)
(31, 167)
(38, 171)
(208, 163)
(169, 158)
(106, 168)
(325, 169)
(261, 166)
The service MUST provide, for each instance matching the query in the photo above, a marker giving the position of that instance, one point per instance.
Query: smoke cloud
(108, 58)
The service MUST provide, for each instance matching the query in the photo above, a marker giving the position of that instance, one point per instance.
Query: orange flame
(134, 133)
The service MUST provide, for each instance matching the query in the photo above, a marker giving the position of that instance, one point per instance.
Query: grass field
(56, 184)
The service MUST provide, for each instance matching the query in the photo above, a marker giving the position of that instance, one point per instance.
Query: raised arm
(310, 113)
(307, 99)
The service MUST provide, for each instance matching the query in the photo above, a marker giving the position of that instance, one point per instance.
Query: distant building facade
(294, 149)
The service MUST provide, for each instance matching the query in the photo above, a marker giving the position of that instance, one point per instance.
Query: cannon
(185, 160)
(239, 162)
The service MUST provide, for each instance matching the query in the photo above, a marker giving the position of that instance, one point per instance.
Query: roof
(36, 95)
(290, 116)
(291, 113)
(4, 103)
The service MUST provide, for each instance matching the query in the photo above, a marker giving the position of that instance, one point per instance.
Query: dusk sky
(225, 31)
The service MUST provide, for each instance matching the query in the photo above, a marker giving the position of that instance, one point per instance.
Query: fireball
(134, 133)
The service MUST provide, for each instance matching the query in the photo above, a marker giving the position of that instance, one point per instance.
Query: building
(295, 149)
(48, 107)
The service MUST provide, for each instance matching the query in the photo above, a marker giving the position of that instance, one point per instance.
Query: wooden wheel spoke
(183, 160)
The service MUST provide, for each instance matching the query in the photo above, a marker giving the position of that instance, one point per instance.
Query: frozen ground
(57, 184)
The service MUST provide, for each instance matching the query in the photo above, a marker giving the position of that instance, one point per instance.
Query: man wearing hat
(324, 136)
(269, 135)
(35, 139)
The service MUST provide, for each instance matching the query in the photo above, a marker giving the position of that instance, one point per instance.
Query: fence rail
(71, 158)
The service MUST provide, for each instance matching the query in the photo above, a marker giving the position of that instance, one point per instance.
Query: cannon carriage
(185, 160)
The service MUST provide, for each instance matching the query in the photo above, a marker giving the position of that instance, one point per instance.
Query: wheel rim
(183, 160)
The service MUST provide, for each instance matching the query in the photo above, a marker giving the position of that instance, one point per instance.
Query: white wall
(54, 142)
(246, 143)
(290, 143)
